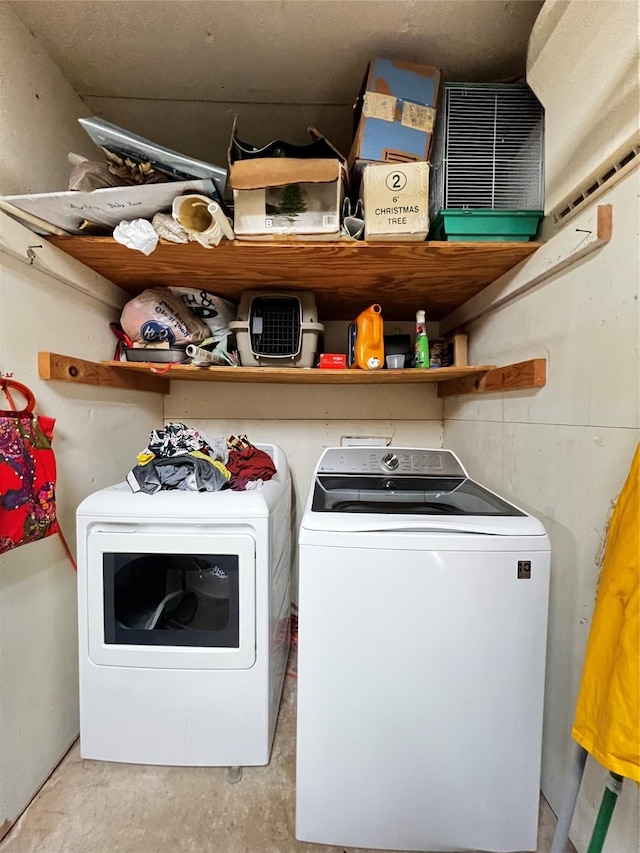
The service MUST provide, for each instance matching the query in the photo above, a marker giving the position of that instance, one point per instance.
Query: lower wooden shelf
(139, 376)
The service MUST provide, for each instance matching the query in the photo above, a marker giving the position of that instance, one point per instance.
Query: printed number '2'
(396, 181)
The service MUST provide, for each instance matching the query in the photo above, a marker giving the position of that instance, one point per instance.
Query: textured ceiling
(149, 64)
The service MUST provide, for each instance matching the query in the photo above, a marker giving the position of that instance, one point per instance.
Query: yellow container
(366, 339)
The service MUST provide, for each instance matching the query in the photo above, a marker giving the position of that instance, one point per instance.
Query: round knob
(390, 461)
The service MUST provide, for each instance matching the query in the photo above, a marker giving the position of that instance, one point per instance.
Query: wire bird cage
(277, 329)
(488, 149)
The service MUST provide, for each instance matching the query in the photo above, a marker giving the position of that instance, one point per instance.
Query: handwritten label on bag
(380, 106)
(418, 116)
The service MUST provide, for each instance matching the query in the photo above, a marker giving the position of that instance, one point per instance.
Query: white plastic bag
(159, 315)
(216, 312)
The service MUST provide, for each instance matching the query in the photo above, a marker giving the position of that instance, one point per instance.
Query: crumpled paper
(137, 234)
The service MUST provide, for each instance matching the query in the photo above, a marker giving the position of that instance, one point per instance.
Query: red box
(332, 361)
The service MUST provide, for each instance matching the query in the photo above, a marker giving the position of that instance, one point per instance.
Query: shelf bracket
(562, 251)
(52, 365)
(512, 377)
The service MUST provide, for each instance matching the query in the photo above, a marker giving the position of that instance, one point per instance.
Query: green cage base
(488, 226)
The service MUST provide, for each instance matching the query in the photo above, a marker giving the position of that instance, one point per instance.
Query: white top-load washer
(183, 608)
(422, 636)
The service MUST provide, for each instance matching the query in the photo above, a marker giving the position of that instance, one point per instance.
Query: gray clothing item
(176, 472)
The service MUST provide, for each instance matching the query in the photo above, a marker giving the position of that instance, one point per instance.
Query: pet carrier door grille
(276, 326)
(489, 149)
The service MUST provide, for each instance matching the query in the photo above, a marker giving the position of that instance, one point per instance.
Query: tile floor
(98, 807)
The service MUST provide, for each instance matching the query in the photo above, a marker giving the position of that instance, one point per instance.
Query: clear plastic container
(395, 361)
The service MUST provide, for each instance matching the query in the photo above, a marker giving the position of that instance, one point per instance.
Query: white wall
(582, 63)
(563, 452)
(38, 114)
(98, 431)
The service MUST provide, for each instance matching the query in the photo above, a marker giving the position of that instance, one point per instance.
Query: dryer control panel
(391, 460)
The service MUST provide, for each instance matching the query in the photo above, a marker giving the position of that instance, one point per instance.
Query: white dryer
(183, 607)
(422, 636)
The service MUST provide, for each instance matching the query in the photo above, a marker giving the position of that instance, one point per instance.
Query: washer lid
(369, 503)
(326, 528)
(405, 495)
(368, 489)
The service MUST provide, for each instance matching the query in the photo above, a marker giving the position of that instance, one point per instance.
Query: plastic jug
(366, 339)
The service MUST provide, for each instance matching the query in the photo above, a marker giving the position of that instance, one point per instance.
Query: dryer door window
(171, 599)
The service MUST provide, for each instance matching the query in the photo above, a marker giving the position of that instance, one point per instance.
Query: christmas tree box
(287, 198)
(396, 201)
(395, 113)
(286, 191)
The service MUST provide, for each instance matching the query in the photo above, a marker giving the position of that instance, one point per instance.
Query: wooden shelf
(303, 376)
(345, 277)
(144, 377)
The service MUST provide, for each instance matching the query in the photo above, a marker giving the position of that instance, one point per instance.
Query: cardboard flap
(279, 171)
(318, 137)
(318, 148)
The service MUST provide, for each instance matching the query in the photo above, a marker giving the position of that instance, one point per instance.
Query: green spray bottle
(421, 352)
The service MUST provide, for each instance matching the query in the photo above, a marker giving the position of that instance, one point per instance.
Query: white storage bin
(277, 329)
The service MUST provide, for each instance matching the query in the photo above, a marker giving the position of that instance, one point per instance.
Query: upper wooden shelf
(345, 277)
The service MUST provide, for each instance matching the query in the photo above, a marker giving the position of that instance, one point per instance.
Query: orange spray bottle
(366, 339)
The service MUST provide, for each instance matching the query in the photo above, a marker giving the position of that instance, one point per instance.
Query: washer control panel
(385, 460)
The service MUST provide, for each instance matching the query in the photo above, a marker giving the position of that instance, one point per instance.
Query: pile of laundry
(180, 457)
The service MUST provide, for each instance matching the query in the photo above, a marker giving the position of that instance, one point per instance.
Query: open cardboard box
(276, 198)
(293, 197)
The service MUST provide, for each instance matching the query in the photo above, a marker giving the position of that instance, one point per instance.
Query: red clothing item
(247, 463)
(27, 480)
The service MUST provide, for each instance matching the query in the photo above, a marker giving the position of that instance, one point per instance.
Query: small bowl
(395, 361)
(156, 356)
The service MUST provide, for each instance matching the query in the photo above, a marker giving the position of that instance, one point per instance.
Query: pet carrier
(277, 329)
(488, 155)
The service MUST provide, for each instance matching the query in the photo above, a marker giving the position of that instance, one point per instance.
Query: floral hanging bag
(27, 472)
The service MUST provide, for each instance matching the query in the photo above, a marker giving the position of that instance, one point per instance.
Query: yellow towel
(607, 721)
(219, 465)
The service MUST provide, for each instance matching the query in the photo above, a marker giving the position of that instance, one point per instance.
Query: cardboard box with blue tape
(395, 113)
